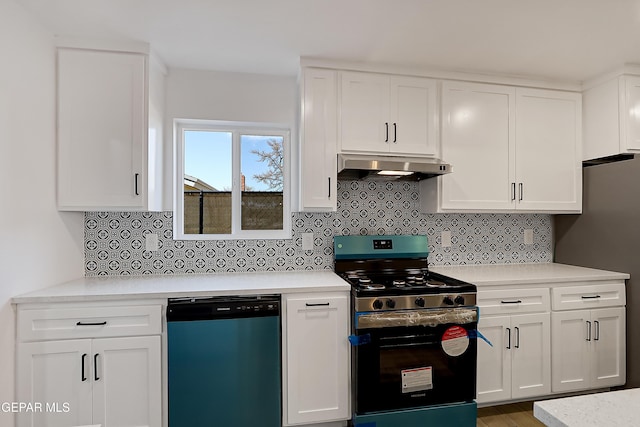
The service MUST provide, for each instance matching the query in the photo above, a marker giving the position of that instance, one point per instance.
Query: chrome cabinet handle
(597, 334)
(521, 191)
(588, 331)
(319, 304)
(511, 302)
(136, 183)
(395, 133)
(509, 338)
(386, 126)
(513, 191)
(329, 187)
(517, 337)
(590, 296)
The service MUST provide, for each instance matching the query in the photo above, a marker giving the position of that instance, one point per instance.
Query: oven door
(414, 358)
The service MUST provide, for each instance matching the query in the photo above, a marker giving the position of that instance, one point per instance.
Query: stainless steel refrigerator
(607, 236)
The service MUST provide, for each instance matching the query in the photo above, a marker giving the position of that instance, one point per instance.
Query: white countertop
(518, 274)
(172, 286)
(610, 409)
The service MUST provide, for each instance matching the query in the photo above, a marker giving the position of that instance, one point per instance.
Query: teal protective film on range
(454, 415)
(374, 247)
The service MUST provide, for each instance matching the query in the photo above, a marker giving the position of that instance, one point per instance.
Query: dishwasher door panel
(224, 372)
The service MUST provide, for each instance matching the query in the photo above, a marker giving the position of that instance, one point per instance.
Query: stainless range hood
(367, 166)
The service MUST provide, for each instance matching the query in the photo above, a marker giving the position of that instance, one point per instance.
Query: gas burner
(399, 283)
(371, 286)
(437, 284)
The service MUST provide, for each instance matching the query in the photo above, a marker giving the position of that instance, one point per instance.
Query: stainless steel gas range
(413, 335)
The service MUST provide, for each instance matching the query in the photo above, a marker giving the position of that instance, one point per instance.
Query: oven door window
(406, 367)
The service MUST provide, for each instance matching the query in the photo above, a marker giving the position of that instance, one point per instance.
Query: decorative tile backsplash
(115, 241)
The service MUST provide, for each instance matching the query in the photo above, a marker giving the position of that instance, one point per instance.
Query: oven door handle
(411, 344)
(407, 341)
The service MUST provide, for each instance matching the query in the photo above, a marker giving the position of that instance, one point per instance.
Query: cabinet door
(570, 359)
(530, 355)
(364, 112)
(608, 344)
(413, 116)
(548, 150)
(631, 109)
(494, 361)
(478, 140)
(319, 140)
(317, 359)
(127, 385)
(101, 130)
(56, 375)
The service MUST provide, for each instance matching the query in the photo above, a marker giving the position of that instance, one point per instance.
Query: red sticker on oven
(455, 341)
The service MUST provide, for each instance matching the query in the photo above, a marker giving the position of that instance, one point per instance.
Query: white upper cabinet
(612, 117)
(382, 113)
(511, 149)
(105, 141)
(318, 139)
(548, 150)
(478, 140)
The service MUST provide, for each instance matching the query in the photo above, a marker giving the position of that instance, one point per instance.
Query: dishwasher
(224, 362)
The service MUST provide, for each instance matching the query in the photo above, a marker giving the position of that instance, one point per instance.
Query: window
(231, 181)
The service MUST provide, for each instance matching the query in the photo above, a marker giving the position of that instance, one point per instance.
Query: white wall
(213, 95)
(39, 246)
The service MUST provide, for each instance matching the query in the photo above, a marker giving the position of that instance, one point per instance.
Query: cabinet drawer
(588, 296)
(89, 322)
(510, 301)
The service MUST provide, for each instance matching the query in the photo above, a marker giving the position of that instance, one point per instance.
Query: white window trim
(179, 126)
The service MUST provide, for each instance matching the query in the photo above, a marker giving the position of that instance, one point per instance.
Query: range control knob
(391, 303)
(377, 304)
(420, 302)
(459, 300)
(447, 301)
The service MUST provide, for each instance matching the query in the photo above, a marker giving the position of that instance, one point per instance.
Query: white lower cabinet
(588, 349)
(112, 381)
(517, 363)
(316, 366)
(550, 340)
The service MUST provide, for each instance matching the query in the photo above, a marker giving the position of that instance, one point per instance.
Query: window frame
(237, 129)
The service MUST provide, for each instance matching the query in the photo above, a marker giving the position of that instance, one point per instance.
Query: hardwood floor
(513, 415)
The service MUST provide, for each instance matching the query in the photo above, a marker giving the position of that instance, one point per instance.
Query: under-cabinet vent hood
(366, 166)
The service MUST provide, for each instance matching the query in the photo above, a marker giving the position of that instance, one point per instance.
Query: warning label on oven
(455, 341)
(417, 379)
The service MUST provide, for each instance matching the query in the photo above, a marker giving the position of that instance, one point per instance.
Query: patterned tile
(114, 241)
